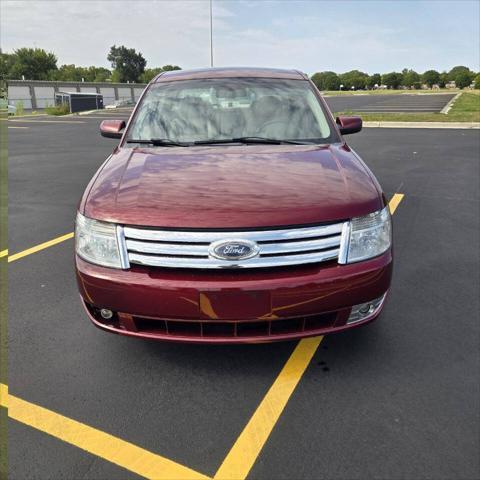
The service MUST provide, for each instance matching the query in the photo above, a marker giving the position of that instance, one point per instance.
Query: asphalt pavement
(397, 399)
(390, 103)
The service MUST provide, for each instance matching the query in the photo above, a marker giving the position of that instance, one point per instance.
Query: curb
(457, 125)
(449, 105)
(29, 115)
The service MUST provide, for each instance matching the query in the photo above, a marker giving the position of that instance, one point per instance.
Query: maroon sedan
(232, 211)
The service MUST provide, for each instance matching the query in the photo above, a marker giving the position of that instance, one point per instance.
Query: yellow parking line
(3, 253)
(42, 246)
(246, 449)
(395, 202)
(120, 452)
(18, 127)
(242, 455)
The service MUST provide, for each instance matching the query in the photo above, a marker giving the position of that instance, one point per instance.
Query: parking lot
(396, 399)
(407, 103)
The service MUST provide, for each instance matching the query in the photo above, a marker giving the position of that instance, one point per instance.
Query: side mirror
(112, 128)
(349, 125)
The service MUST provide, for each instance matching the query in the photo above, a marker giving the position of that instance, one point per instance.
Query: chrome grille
(190, 249)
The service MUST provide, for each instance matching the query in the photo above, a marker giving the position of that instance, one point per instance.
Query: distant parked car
(121, 103)
(12, 110)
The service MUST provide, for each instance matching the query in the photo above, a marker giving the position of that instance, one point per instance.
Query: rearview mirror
(112, 128)
(349, 125)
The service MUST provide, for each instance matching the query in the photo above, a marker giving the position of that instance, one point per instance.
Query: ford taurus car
(232, 210)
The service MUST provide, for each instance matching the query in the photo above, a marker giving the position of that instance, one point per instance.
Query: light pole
(211, 35)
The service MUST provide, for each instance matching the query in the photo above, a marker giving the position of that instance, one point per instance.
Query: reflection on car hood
(232, 186)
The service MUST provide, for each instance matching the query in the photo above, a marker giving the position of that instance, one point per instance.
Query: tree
(67, 73)
(375, 79)
(431, 77)
(392, 79)
(6, 63)
(150, 73)
(127, 63)
(409, 77)
(477, 82)
(355, 79)
(326, 80)
(463, 79)
(33, 63)
(452, 74)
(442, 82)
(169, 68)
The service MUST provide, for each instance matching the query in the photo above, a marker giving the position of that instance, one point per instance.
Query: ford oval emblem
(233, 249)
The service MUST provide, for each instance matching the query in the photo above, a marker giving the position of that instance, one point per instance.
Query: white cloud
(82, 32)
(246, 32)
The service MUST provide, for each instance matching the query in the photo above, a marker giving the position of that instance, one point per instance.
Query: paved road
(389, 103)
(396, 399)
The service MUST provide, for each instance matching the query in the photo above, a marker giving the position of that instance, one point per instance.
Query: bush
(477, 82)
(462, 80)
(63, 109)
(20, 108)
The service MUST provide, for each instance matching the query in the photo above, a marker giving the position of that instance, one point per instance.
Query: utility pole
(211, 35)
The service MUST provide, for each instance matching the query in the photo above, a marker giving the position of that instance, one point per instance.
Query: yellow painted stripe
(395, 202)
(3, 253)
(3, 395)
(122, 453)
(18, 127)
(242, 455)
(246, 449)
(42, 246)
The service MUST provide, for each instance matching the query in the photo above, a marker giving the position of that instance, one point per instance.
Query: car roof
(228, 72)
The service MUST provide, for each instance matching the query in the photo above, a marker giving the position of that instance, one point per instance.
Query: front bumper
(240, 306)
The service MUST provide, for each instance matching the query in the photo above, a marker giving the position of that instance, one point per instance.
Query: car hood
(232, 186)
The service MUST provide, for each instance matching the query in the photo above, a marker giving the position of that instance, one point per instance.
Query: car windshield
(204, 110)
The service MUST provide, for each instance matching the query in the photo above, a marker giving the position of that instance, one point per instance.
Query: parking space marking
(18, 127)
(246, 449)
(239, 460)
(115, 450)
(3, 253)
(395, 202)
(40, 247)
(241, 457)
(46, 121)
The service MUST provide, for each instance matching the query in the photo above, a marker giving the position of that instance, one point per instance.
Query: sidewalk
(467, 125)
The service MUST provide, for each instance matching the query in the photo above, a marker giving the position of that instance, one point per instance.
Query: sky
(372, 36)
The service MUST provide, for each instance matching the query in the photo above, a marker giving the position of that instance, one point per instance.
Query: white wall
(137, 92)
(44, 96)
(108, 95)
(124, 94)
(19, 94)
(88, 89)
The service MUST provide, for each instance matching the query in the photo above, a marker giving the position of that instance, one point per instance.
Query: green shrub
(63, 109)
(477, 82)
(20, 108)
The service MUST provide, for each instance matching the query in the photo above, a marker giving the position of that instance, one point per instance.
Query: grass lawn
(465, 109)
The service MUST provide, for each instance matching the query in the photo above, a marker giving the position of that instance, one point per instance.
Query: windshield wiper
(158, 142)
(259, 140)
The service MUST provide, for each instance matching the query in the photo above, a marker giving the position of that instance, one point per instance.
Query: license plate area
(235, 305)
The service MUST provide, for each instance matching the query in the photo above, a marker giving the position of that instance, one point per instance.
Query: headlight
(366, 237)
(96, 242)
